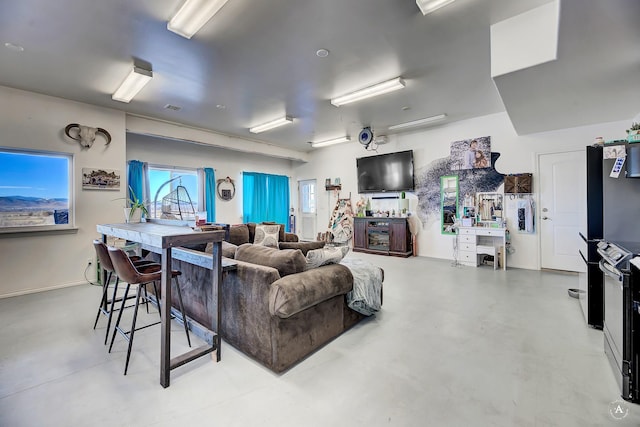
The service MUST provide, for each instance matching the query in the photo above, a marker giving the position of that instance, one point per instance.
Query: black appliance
(591, 232)
(385, 172)
(621, 243)
(621, 314)
(621, 201)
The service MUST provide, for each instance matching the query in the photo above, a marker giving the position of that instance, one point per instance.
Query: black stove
(621, 316)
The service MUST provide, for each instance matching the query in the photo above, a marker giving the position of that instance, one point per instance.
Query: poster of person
(471, 153)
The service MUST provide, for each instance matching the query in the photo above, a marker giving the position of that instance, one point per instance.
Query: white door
(307, 209)
(562, 202)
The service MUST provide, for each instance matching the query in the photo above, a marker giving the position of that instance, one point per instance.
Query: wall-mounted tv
(386, 172)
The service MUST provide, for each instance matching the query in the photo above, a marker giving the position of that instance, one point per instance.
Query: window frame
(172, 168)
(71, 223)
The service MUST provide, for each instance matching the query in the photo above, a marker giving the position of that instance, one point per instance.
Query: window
(164, 181)
(35, 190)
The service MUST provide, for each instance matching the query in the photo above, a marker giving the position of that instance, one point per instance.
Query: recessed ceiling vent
(173, 107)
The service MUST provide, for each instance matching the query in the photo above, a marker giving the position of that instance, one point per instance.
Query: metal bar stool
(141, 276)
(106, 306)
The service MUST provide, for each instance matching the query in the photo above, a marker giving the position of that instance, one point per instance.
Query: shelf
(333, 187)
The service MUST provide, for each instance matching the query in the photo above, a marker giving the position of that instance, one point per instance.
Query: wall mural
(471, 181)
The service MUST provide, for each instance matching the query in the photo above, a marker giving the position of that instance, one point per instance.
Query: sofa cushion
(239, 234)
(293, 294)
(303, 246)
(286, 261)
(326, 255)
(267, 235)
(228, 249)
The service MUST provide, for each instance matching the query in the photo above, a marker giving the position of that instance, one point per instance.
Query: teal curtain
(135, 179)
(265, 198)
(278, 202)
(210, 193)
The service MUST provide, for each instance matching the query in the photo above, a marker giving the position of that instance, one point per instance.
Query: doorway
(562, 204)
(307, 208)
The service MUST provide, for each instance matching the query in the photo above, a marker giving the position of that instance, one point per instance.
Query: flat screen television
(386, 172)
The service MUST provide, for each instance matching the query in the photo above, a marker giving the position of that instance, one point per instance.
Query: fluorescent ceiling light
(193, 15)
(418, 122)
(331, 142)
(428, 6)
(271, 125)
(132, 84)
(368, 92)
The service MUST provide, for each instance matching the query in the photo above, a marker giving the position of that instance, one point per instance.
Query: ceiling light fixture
(428, 6)
(271, 125)
(14, 47)
(368, 92)
(193, 15)
(132, 84)
(418, 122)
(331, 142)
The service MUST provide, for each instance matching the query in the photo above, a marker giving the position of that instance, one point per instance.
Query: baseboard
(35, 291)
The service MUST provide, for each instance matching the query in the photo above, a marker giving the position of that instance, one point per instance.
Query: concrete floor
(453, 346)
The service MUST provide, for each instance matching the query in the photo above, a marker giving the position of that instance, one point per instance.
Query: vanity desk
(476, 241)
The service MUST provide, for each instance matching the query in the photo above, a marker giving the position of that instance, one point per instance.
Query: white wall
(225, 162)
(518, 155)
(38, 261)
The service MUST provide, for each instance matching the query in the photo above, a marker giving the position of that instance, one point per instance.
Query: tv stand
(383, 236)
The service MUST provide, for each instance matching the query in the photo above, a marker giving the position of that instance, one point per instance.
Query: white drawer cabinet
(475, 241)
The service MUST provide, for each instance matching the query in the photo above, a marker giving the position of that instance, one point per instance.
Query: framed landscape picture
(100, 179)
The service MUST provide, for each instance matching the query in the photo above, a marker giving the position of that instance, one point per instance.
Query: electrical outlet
(89, 261)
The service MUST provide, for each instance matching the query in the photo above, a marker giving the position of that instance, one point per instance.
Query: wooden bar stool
(106, 306)
(141, 276)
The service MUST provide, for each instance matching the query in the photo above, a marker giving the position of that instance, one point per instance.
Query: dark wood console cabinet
(384, 236)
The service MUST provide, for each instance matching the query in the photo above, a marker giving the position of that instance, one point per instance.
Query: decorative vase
(135, 216)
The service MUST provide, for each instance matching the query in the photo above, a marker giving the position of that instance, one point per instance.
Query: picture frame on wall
(471, 153)
(100, 179)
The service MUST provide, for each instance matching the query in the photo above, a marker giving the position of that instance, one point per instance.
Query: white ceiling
(258, 59)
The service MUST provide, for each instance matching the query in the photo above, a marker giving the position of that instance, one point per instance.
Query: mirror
(448, 203)
(490, 207)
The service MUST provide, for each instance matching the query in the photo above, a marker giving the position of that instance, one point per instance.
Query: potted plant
(634, 132)
(136, 207)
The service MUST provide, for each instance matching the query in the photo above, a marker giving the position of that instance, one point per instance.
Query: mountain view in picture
(34, 189)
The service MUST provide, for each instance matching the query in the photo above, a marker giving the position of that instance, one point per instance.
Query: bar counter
(161, 239)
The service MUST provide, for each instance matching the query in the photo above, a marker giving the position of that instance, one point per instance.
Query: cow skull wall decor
(85, 135)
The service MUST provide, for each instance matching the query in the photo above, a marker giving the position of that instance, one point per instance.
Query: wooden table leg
(165, 314)
(216, 275)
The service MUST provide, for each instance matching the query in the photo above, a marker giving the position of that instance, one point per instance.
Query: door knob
(546, 217)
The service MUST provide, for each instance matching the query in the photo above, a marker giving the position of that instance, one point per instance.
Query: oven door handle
(610, 271)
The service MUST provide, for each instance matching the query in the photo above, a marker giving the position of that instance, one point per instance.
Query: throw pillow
(281, 235)
(267, 235)
(326, 255)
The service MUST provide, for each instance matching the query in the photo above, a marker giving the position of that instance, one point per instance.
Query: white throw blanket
(367, 286)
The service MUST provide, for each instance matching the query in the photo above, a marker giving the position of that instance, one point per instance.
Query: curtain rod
(265, 173)
(154, 165)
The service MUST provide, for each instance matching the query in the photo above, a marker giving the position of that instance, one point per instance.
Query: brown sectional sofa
(273, 309)
(244, 233)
